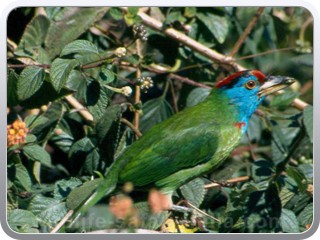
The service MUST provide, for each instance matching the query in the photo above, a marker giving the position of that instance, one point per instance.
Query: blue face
(243, 93)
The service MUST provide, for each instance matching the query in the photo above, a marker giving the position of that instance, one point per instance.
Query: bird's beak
(273, 84)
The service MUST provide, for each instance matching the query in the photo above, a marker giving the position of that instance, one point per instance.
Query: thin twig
(28, 65)
(130, 125)
(63, 220)
(200, 211)
(137, 94)
(265, 53)
(174, 97)
(246, 32)
(78, 106)
(232, 180)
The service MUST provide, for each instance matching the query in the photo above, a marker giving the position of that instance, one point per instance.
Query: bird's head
(246, 90)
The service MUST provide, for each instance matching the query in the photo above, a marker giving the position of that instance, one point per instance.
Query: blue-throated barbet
(194, 141)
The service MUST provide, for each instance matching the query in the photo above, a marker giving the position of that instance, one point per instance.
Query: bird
(194, 141)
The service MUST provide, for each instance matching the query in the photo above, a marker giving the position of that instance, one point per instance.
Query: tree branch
(246, 32)
(130, 125)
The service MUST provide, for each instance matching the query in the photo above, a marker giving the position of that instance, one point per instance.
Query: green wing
(158, 155)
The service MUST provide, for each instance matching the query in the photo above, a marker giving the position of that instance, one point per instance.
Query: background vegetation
(84, 83)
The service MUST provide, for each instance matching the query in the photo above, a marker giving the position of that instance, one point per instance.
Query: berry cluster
(16, 133)
(140, 32)
(145, 83)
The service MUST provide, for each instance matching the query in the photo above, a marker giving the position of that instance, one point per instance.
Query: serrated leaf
(63, 187)
(78, 195)
(19, 175)
(19, 219)
(116, 13)
(12, 97)
(98, 101)
(35, 120)
(154, 112)
(48, 210)
(44, 95)
(79, 47)
(35, 32)
(29, 82)
(111, 114)
(306, 215)
(63, 141)
(286, 195)
(308, 121)
(86, 150)
(60, 72)
(54, 115)
(148, 219)
(283, 100)
(133, 10)
(297, 175)
(72, 22)
(217, 25)
(262, 170)
(194, 191)
(107, 76)
(289, 222)
(196, 96)
(37, 153)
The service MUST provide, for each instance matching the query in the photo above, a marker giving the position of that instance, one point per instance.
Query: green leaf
(54, 115)
(79, 47)
(306, 215)
(116, 13)
(308, 121)
(44, 95)
(29, 82)
(262, 170)
(12, 97)
(63, 187)
(154, 111)
(196, 96)
(111, 115)
(194, 191)
(72, 23)
(217, 25)
(148, 219)
(190, 12)
(133, 10)
(85, 149)
(33, 38)
(289, 222)
(284, 100)
(37, 153)
(60, 72)
(47, 210)
(78, 195)
(63, 141)
(19, 220)
(19, 175)
(107, 76)
(298, 177)
(35, 120)
(35, 32)
(98, 100)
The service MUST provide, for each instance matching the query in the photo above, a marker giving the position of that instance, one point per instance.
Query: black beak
(273, 84)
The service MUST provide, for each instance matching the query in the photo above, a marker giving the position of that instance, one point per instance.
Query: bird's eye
(250, 84)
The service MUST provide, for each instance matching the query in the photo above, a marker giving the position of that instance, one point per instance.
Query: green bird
(194, 141)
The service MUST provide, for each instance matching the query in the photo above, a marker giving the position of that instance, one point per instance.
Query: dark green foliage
(66, 155)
